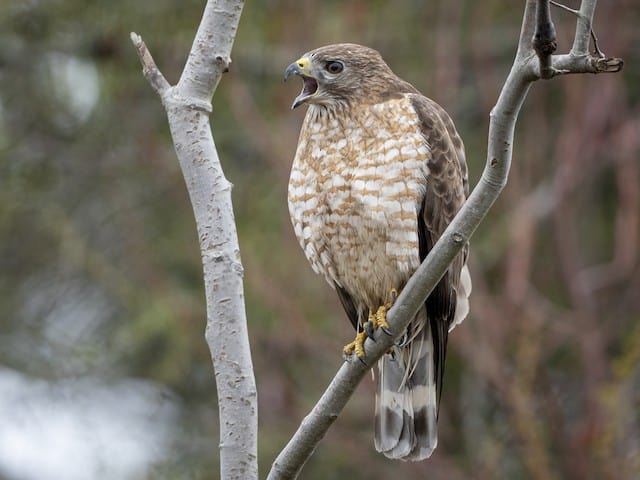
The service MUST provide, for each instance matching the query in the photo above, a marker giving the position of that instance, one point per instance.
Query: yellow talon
(381, 318)
(356, 346)
(376, 320)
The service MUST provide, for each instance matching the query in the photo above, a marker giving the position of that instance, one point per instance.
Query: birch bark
(188, 105)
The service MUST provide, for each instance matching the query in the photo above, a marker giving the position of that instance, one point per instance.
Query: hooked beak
(310, 85)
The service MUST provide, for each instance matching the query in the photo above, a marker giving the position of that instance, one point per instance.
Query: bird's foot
(357, 346)
(379, 319)
(376, 320)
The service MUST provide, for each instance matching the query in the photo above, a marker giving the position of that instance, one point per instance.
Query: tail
(406, 397)
(410, 378)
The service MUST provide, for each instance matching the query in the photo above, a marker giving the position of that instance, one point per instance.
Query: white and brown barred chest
(356, 188)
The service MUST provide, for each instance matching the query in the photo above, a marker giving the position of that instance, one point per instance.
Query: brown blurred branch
(188, 105)
(625, 254)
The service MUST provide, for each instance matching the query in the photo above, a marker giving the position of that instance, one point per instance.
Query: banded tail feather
(410, 383)
(407, 399)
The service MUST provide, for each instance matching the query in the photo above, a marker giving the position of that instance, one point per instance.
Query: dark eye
(334, 67)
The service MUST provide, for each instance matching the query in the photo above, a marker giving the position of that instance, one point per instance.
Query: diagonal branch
(524, 71)
(188, 105)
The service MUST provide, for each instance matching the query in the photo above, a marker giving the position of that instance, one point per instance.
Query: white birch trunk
(188, 105)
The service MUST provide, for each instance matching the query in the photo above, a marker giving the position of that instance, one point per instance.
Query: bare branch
(188, 105)
(544, 39)
(503, 118)
(596, 48)
(568, 63)
(149, 68)
(210, 53)
(583, 27)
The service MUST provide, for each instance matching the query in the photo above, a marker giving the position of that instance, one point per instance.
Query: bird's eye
(334, 67)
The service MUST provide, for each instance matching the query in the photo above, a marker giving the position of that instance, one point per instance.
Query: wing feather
(447, 189)
(349, 306)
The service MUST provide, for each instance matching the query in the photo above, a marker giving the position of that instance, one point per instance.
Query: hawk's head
(339, 74)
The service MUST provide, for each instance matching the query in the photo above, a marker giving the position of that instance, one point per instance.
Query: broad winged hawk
(379, 172)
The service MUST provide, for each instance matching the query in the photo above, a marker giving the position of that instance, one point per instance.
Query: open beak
(310, 85)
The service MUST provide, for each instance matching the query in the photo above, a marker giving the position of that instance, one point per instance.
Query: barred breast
(355, 191)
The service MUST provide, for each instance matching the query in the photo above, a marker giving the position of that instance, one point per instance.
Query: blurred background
(104, 370)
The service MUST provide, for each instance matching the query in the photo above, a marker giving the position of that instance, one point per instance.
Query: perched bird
(379, 172)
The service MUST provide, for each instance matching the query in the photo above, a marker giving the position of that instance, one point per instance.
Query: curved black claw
(402, 341)
(386, 331)
(350, 357)
(368, 327)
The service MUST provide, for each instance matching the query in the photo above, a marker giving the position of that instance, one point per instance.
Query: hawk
(378, 174)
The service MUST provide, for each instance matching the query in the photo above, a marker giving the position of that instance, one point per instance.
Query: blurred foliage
(100, 263)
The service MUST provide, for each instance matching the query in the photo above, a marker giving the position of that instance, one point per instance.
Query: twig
(149, 68)
(583, 28)
(596, 49)
(564, 7)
